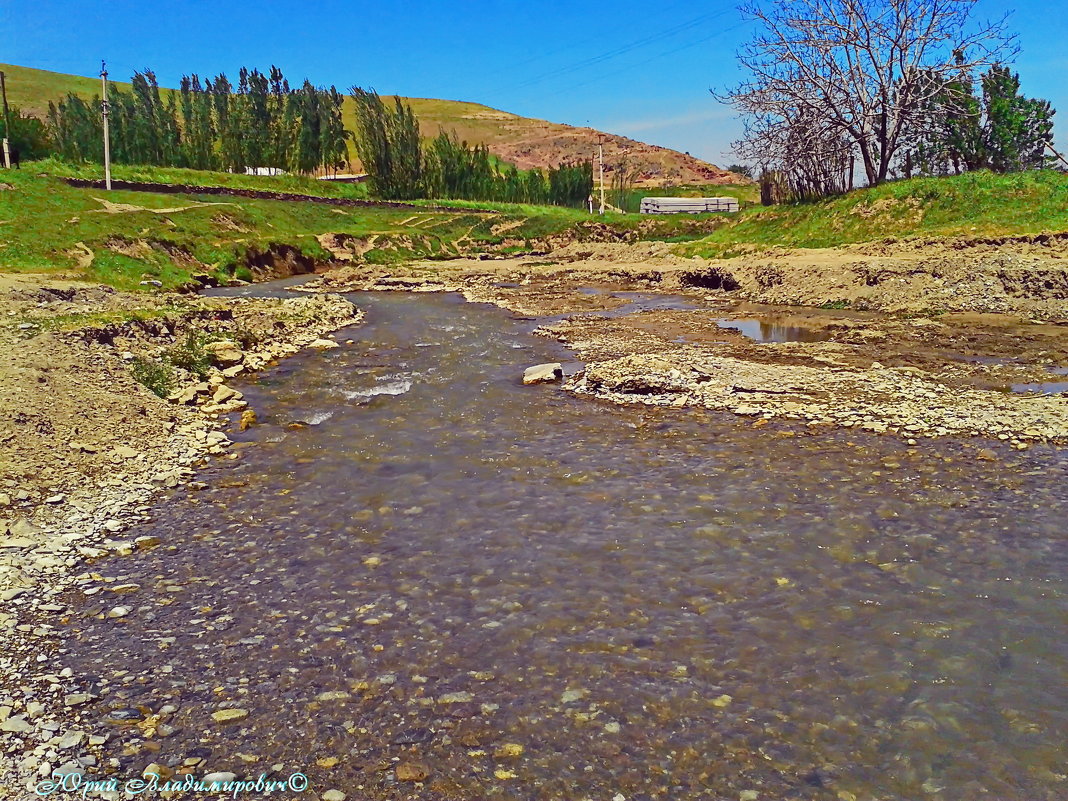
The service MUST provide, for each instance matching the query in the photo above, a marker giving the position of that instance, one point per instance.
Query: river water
(417, 561)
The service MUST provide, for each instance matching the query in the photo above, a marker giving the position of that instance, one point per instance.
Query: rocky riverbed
(84, 443)
(965, 360)
(86, 448)
(423, 579)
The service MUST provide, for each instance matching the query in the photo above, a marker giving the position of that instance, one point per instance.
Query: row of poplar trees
(208, 124)
(401, 166)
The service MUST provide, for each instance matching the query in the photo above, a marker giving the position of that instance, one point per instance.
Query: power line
(615, 73)
(541, 55)
(614, 53)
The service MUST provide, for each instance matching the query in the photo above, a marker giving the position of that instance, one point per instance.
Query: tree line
(883, 88)
(207, 124)
(402, 166)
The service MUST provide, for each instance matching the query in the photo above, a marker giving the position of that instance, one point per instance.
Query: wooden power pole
(600, 167)
(7, 123)
(104, 112)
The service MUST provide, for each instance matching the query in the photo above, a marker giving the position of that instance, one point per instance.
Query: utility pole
(600, 167)
(104, 112)
(1055, 153)
(7, 123)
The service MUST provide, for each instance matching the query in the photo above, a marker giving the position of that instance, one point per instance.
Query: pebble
(221, 777)
(229, 715)
(412, 772)
(16, 726)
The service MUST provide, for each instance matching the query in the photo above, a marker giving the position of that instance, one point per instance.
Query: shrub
(157, 376)
(190, 355)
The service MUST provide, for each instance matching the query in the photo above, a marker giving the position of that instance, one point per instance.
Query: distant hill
(522, 141)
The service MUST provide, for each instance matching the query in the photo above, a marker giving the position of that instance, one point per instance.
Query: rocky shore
(111, 398)
(965, 339)
(86, 446)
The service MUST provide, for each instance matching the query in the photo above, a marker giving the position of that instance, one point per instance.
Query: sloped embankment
(109, 397)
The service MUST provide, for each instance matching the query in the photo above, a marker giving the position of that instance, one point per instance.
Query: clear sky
(642, 69)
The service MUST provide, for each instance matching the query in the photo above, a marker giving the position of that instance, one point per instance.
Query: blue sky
(635, 68)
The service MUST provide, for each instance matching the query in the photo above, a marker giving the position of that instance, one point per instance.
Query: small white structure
(688, 205)
(264, 171)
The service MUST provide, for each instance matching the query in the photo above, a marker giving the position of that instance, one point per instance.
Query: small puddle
(768, 331)
(754, 328)
(1044, 387)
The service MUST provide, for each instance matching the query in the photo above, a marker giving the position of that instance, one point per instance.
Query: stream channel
(418, 568)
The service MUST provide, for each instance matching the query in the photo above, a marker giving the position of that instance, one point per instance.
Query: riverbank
(962, 345)
(110, 397)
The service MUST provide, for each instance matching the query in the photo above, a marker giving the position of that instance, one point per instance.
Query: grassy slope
(977, 204)
(47, 226)
(44, 224)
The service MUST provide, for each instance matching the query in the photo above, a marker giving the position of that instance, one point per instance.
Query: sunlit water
(652, 603)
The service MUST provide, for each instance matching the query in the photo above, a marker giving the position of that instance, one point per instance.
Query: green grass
(979, 204)
(46, 226)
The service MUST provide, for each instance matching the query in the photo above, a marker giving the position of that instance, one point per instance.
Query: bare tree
(802, 160)
(857, 71)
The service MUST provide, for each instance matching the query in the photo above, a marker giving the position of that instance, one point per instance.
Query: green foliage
(28, 135)
(455, 170)
(1017, 128)
(999, 130)
(207, 125)
(975, 204)
(389, 146)
(402, 167)
(189, 355)
(156, 375)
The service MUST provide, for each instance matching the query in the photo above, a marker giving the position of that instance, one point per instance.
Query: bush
(190, 355)
(157, 376)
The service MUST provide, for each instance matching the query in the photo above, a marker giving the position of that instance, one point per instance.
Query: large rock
(224, 393)
(543, 373)
(224, 352)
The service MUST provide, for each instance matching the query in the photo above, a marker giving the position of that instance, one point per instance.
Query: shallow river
(418, 561)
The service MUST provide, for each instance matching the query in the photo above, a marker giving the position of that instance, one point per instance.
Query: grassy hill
(979, 205)
(522, 141)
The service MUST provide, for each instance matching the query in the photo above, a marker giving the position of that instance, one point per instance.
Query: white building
(688, 205)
